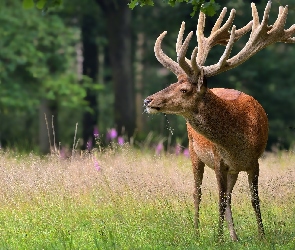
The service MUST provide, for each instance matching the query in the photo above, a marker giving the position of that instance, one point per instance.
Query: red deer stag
(227, 129)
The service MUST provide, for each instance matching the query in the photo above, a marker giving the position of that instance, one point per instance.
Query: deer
(227, 129)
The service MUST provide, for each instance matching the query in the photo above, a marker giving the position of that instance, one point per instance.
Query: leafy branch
(208, 7)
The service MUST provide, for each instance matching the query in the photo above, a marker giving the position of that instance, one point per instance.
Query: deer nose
(147, 101)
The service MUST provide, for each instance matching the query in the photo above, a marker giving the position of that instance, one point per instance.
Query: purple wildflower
(186, 152)
(96, 165)
(121, 140)
(95, 132)
(177, 149)
(89, 144)
(112, 134)
(159, 148)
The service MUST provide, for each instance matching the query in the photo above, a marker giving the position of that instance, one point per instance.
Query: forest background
(92, 63)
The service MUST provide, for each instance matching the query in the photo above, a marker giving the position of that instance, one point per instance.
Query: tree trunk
(118, 17)
(90, 69)
(139, 82)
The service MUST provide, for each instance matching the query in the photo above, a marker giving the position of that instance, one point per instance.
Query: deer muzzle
(148, 106)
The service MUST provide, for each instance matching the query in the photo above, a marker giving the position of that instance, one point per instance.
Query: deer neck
(213, 118)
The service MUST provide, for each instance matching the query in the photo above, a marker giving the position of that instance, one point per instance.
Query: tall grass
(123, 198)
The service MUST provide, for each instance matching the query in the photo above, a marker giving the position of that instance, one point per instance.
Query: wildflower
(112, 134)
(186, 152)
(96, 165)
(177, 149)
(120, 140)
(159, 148)
(89, 144)
(95, 132)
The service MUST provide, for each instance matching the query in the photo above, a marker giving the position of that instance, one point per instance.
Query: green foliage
(36, 53)
(134, 3)
(208, 7)
(41, 4)
(68, 91)
(27, 4)
(37, 61)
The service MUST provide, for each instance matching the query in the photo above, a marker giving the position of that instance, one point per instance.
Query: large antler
(261, 36)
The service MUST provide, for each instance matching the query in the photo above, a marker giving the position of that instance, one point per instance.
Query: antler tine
(255, 17)
(289, 32)
(228, 23)
(179, 43)
(242, 31)
(279, 24)
(228, 48)
(265, 18)
(219, 20)
(222, 63)
(182, 66)
(222, 32)
(181, 56)
(165, 60)
(195, 66)
(180, 38)
(190, 67)
(200, 27)
(281, 9)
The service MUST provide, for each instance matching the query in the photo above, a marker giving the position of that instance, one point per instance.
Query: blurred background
(92, 62)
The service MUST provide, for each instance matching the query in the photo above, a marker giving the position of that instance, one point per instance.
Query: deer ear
(201, 83)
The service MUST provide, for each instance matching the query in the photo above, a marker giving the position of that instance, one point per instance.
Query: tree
(89, 30)
(118, 21)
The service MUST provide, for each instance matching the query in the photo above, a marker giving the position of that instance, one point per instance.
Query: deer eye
(183, 91)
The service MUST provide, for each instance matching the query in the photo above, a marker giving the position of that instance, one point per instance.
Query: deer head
(182, 97)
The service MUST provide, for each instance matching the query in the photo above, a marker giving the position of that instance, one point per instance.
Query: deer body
(227, 129)
(234, 125)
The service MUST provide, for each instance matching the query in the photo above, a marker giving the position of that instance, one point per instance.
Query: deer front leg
(221, 171)
(253, 184)
(198, 170)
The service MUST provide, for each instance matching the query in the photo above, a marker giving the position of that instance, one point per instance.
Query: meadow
(126, 198)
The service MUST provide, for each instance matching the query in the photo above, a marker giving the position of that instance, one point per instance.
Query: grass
(134, 201)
